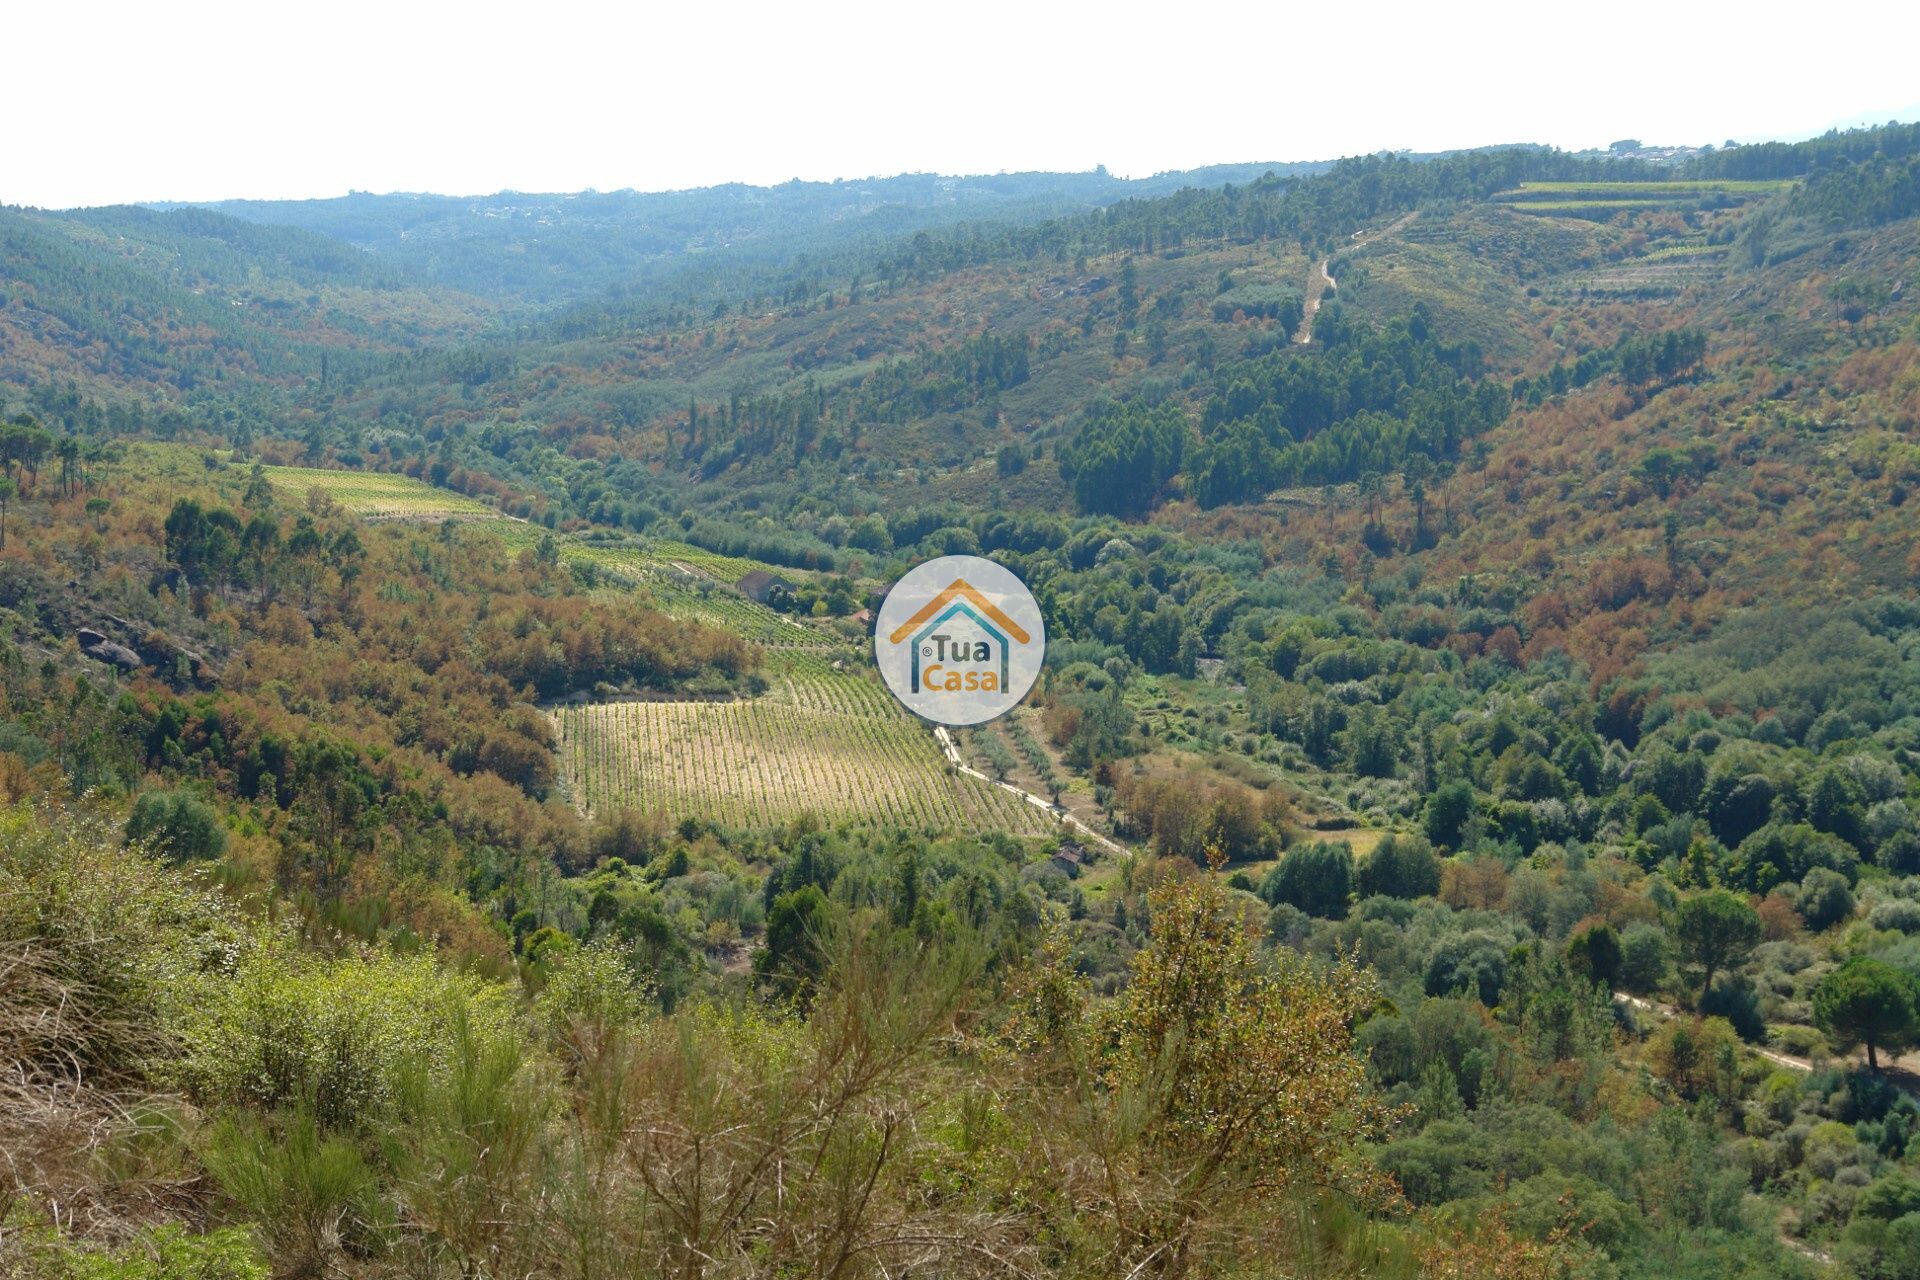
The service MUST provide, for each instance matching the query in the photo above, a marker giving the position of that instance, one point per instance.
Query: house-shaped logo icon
(963, 652)
(959, 601)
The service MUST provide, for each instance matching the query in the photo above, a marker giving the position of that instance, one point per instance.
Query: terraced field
(680, 579)
(1601, 200)
(728, 569)
(675, 586)
(1662, 272)
(821, 740)
(382, 496)
(684, 595)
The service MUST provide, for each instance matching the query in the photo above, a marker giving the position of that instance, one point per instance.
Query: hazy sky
(195, 101)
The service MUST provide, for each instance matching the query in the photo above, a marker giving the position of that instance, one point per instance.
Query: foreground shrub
(311, 1192)
(1213, 1083)
(161, 1253)
(334, 1036)
(92, 937)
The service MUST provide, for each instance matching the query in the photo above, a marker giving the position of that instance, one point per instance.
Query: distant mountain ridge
(555, 247)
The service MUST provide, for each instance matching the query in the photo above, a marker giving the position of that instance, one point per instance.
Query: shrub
(1697, 1057)
(94, 935)
(1901, 853)
(1798, 1041)
(1288, 925)
(1448, 811)
(1902, 914)
(1878, 1249)
(593, 986)
(165, 1252)
(1824, 898)
(1886, 820)
(178, 825)
(1646, 958)
(1893, 1195)
(331, 1035)
(799, 926)
(1316, 877)
(1736, 1001)
(631, 835)
(310, 1192)
(1473, 963)
(1400, 867)
(1594, 952)
(467, 1163)
(1782, 852)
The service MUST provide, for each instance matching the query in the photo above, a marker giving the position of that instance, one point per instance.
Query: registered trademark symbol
(926, 651)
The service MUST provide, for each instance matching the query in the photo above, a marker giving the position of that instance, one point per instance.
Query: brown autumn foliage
(420, 660)
(1184, 813)
(1779, 920)
(1476, 884)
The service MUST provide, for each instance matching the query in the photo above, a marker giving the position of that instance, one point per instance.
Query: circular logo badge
(959, 640)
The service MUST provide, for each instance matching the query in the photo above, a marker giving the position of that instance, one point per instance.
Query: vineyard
(822, 740)
(728, 569)
(1034, 754)
(674, 589)
(722, 608)
(1602, 200)
(380, 496)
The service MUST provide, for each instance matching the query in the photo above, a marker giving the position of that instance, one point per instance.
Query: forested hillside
(188, 311)
(453, 825)
(546, 248)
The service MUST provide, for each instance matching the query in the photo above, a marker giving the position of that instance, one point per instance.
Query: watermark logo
(959, 640)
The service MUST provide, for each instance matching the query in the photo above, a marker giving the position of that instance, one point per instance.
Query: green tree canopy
(178, 825)
(1868, 1001)
(1316, 877)
(1400, 867)
(1715, 930)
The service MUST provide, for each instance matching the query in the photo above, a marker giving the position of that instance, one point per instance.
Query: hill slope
(130, 303)
(543, 248)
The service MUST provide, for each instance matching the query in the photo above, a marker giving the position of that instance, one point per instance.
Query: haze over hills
(555, 247)
(1468, 823)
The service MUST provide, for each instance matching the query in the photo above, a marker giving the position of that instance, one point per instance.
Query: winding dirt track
(1903, 1070)
(1323, 282)
(1039, 802)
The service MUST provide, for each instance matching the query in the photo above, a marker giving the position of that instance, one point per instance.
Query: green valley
(1467, 823)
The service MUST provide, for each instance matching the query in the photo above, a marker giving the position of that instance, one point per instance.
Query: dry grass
(77, 1113)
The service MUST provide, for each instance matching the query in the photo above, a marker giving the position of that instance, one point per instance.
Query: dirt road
(952, 750)
(1902, 1070)
(1323, 282)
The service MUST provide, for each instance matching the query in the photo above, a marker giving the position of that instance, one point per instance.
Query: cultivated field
(1604, 199)
(728, 569)
(381, 496)
(820, 741)
(1731, 186)
(679, 579)
(676, 585)
(683, 595)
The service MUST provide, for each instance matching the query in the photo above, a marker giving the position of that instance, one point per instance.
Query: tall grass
(313, 1193)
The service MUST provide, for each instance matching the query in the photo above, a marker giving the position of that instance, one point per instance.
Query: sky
(155, 101)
